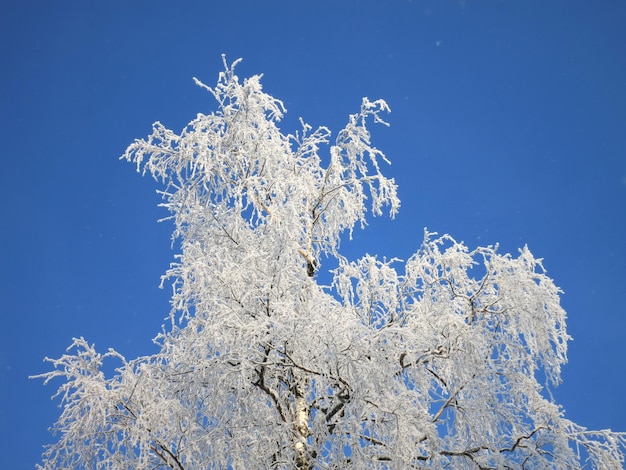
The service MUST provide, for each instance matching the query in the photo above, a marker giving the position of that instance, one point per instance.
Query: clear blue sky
(508, 125)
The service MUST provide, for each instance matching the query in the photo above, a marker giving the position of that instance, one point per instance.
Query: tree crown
(434, 365)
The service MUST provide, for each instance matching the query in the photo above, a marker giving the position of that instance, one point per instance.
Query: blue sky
(508, 126)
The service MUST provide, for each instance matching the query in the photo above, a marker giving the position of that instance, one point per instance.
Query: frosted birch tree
(442, 361)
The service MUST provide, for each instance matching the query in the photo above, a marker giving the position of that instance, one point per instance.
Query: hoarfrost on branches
(434, 364)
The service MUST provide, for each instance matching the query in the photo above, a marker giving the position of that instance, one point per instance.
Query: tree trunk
(301, 426)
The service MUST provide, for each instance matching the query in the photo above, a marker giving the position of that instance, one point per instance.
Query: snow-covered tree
(443, 362)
